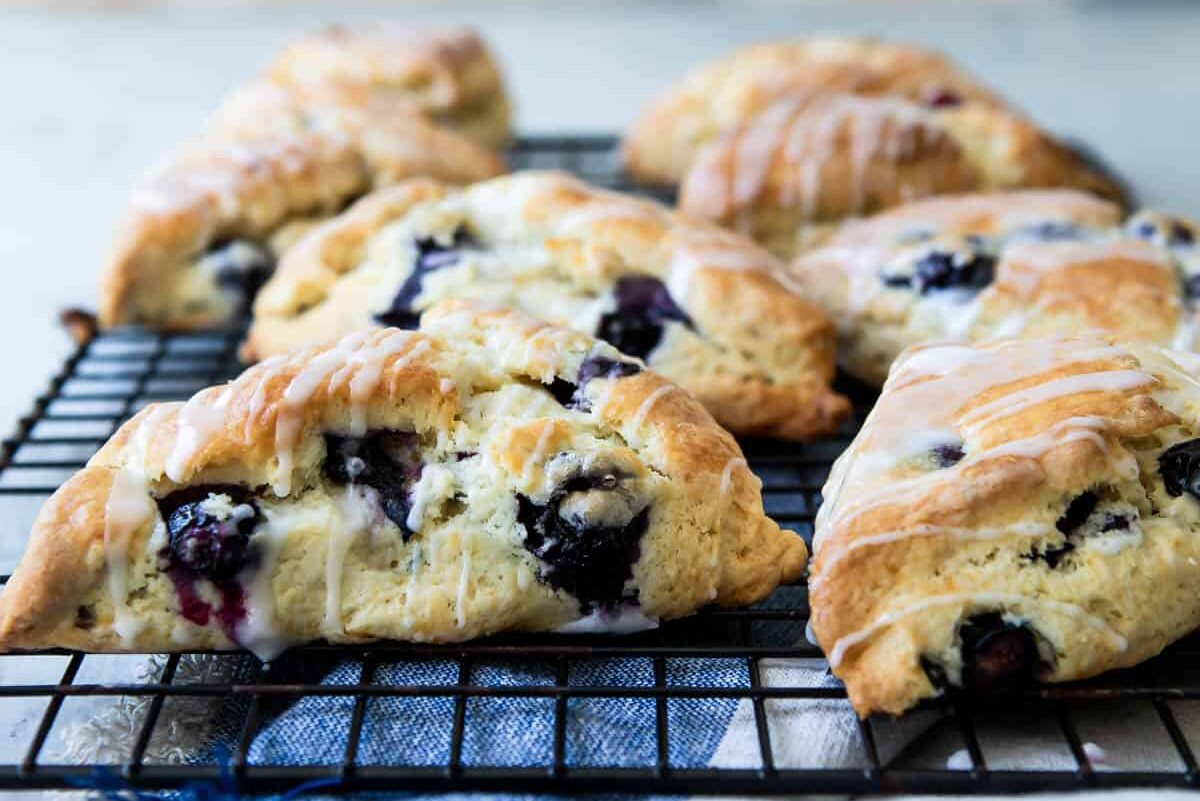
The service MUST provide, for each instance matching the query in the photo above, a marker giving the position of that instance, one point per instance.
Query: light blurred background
(92, 93)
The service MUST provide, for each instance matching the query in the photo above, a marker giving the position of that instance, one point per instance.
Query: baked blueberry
(387, 461)
(432, 255)
(570, 394)
(1077, 512)
(644, 307)
(996, 651)
(1191, 287)
(947, 455)
(208, 530)
(941, 269)
(1179, 466)
(240, 266)
(588, 536)
(1051, 231)
(1166, 230)
(942, 97)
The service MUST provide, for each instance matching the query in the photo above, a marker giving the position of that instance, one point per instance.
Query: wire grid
(115, 373)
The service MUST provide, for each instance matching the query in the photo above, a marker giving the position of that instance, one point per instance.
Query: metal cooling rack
(113, 374)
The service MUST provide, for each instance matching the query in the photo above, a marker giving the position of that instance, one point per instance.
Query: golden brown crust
(1061, 263)
(396, 140)
(447, 74)
(264, 430)
(725, 93)
(914, 541)
(762, 363)
(787, 174)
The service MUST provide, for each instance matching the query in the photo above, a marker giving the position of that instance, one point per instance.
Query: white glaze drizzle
(646, 405)
(197, 422)
(538, 455)
(464, 583)
(964, 372)
(290, 409)
(126, 510)
(999, 599)
(364, 369)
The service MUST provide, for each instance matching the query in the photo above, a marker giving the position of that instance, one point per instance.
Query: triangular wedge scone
(702, 306)
(727, 92)
(486, 473)
(1020, 510)
(449, 74)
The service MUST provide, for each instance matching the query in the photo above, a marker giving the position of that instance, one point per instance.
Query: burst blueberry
(570, 395)
(1179, 466)
(592, 562)
(240, 266)
(947, 455)
(644, 307)
(997, 651)
(942, 270)
(432, 255)
(205, 543)
(939, 270)
(387, 461)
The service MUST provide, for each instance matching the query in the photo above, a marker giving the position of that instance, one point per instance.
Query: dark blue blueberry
(570, 394)
(995, 651)
(942, 270)
(387, 461)
(591, 562)
(199, 544)
(1051, 554)
(1051, 231)
(1174, 233)
(1113, 521)
(1081, 508)
(947, 455)
(644, 306)
(432, 255)
(1180, 234)
(563, 391)
(240, 266)
(939, 269)
(1179, 466)
(1145, 230)
(1191, 287)
(1077, 512)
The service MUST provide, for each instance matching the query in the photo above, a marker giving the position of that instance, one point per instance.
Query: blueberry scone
(1024, 264)
(728, 92)
(1011, 511)
(698, 304)
(487, 473)
(448, 74)
(203, 230)
(788, 174)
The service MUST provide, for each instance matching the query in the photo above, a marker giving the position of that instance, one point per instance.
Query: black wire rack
(114, 373)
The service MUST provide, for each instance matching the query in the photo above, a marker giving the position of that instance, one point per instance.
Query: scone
(487, 473)
(726, 93)
(1012, 511)
(788, 174)
(698, 304)
(447, 74)
(202, 232)
(1024, 264)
